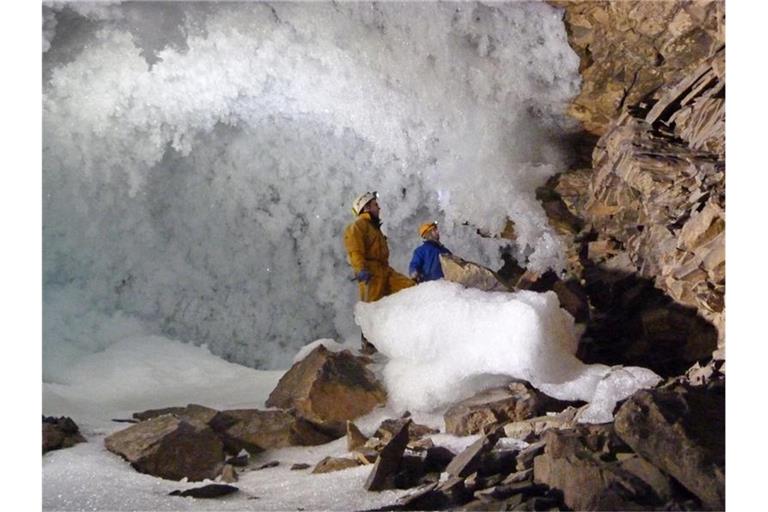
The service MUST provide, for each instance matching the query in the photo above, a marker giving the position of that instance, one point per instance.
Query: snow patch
(328, 343)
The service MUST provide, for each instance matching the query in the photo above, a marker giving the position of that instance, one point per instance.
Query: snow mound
(445, 343)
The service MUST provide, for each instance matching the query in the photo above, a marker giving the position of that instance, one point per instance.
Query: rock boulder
(680, 430)
(60, 433)
(581, 464)
(171, 448)
(328, 388)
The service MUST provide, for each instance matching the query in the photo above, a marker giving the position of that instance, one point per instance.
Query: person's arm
(414, 269)
(354, 242)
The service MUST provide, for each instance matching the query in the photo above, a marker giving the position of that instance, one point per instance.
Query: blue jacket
(426, 260)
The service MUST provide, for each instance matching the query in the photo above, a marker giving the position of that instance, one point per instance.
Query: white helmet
(362, 200)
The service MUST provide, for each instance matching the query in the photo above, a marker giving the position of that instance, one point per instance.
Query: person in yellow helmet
(425, 263)
(368, 252)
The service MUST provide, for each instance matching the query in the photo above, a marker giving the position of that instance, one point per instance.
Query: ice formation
(199, 159)
(446, 342)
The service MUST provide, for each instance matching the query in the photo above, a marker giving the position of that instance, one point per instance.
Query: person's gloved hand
(363, 276)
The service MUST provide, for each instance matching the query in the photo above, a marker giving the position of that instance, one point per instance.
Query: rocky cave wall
(646, 221)
(629, 49)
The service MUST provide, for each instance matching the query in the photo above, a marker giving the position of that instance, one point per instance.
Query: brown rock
(438, 458)
(330, 464)
(170, 448)
(577, 464)
(355, 438)
(658, 193)
(193, 412)
(267, 465)
(454, 490)
(254, 430)
(498, 406)
(629, 49)
(228, 474)
(385, 469)
(328, 389)
(390, 427)
(240, 460)
(206, 491)
(471, 275)
(469, 460)
(573, 299)
(60, 433)
(650, 474)
(426, 497)
(534, 427)
(526, 457)
(680, 430)
(365, 456)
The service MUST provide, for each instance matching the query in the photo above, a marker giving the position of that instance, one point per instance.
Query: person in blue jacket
(425, 263)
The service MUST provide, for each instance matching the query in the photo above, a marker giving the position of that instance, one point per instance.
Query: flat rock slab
(468, 461)
(388, 463)
(206, 491)
(254, 430)
(330, 464)
(471, 274)
(194, 412)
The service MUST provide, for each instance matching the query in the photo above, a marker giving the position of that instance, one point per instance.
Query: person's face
(433, 234)
(374, 208)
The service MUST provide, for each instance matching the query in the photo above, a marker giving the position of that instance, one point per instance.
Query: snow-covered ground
(137, 374)
(438, 341)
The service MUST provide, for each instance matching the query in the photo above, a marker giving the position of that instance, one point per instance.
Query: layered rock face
(657, 193)
(628, 49)
(646, 223)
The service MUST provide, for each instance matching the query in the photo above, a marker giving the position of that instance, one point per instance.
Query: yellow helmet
(363, 199)
(426, 227)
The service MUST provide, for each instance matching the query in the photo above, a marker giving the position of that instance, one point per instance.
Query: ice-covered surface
(446, 342)
(199, 159)
(136, 374)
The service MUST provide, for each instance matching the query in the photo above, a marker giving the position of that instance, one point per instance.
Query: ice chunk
(445, 342)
